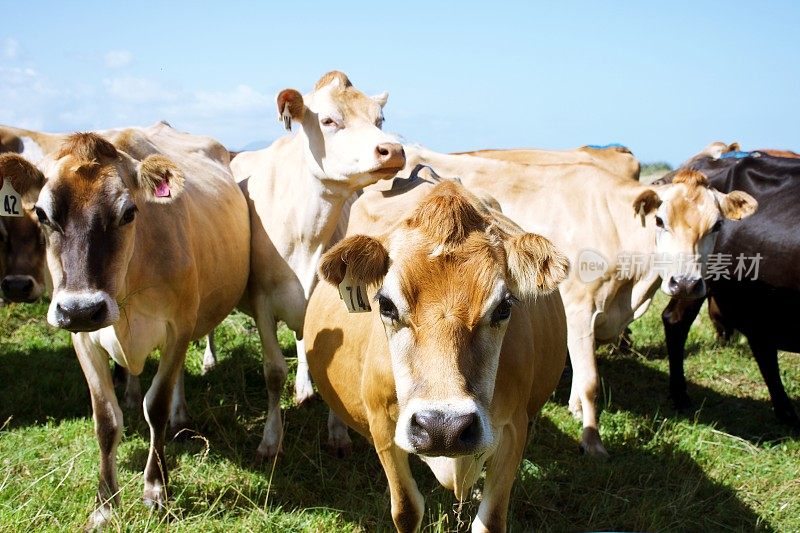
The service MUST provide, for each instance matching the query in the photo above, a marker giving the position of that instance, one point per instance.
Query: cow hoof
(267, 453)
(681, 401)
(591, 444)
(338, 449)
(155, 498)
(303, 392)
(99, 518)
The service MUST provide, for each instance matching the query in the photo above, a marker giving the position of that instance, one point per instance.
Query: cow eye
(128, 215)
(502, 311)
(716, 227)
(387, 308)
(42, 216)
(328, 122)
(659, 222)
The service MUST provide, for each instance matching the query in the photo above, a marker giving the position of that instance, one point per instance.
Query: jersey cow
(754, 287)
(625, 239)
(295, 190)
(144, 254)
(464, 343)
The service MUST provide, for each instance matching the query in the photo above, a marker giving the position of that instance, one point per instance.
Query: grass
(727, 466)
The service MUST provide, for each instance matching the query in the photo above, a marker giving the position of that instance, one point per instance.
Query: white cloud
(10, 48)
(118, 58)
(128, 89)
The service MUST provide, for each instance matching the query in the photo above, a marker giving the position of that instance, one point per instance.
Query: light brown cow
(625, 239)
(23, 272)
(145, 254)
(465, 342)
(295, 190)
(617, 160)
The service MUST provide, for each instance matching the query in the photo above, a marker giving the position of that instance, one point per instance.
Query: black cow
(766, 309)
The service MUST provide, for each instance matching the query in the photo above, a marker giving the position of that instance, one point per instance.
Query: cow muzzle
(78, 312)
(686, 287)
(20, 289)
(391, 157)
(436, 430)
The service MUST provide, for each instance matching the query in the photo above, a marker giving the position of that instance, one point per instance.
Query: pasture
(727, 466)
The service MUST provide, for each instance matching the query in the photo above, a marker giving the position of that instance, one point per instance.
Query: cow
(295, 191)
(614, 158)
(144, 254)
(464, 342)
(762, 301)
(605, 222)
(23, 272)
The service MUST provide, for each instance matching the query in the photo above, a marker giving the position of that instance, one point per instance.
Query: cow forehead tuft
(87, 147)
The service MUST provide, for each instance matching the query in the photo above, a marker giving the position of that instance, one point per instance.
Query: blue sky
(663, 78)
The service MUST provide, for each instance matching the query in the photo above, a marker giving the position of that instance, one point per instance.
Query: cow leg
(275, 372)
(303, 389)
(107, 417)
(339, 443)
(210, 353)
(179, 412)
(500, 474)
(408, 504)
(585, 382)
(677, 318)
(157, 404)
(767, 358)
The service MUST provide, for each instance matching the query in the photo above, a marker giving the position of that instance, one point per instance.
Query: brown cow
(145, 254)
(463, 345)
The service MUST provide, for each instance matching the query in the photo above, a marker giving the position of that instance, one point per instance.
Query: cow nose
(687, 287)
(437, 433)
(17, 288)
(86, 317)
(390, 155)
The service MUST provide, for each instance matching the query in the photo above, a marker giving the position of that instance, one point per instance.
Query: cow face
(22, 248)
(88, 208)
(343, 129)
(688, 217)
(450, 276)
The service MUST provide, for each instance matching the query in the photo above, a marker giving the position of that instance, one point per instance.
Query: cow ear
(535, 265)
(290, 107)
(382, 98)
(364, 258)
(159, 179)
(25, 178)
(647, 202)
(736, 205)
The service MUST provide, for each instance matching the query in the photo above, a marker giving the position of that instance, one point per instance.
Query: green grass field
(727, 466)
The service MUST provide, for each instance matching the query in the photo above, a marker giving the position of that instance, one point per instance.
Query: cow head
(22, 249)
(449, 278)
(87, 204)
(343, 130)
(688, 217)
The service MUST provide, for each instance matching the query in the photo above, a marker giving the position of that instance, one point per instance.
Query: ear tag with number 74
(354, 295)
(10, 200)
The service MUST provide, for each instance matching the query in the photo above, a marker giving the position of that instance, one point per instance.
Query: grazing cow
(144, 254)
(464, 343)
(295, 190)
(764, 302)
(614, 158)
(625, 239)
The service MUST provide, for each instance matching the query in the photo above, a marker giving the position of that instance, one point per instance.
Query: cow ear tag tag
(10, 200)
(641, 212)
(287, 117)
(354, 295)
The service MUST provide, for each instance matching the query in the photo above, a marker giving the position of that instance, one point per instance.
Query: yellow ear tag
(354, 295)
(10, 200)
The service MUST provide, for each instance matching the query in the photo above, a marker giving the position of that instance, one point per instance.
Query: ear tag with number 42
(10, 200)
(354, 295)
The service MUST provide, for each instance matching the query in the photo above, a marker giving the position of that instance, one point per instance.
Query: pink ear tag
(162, 190)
